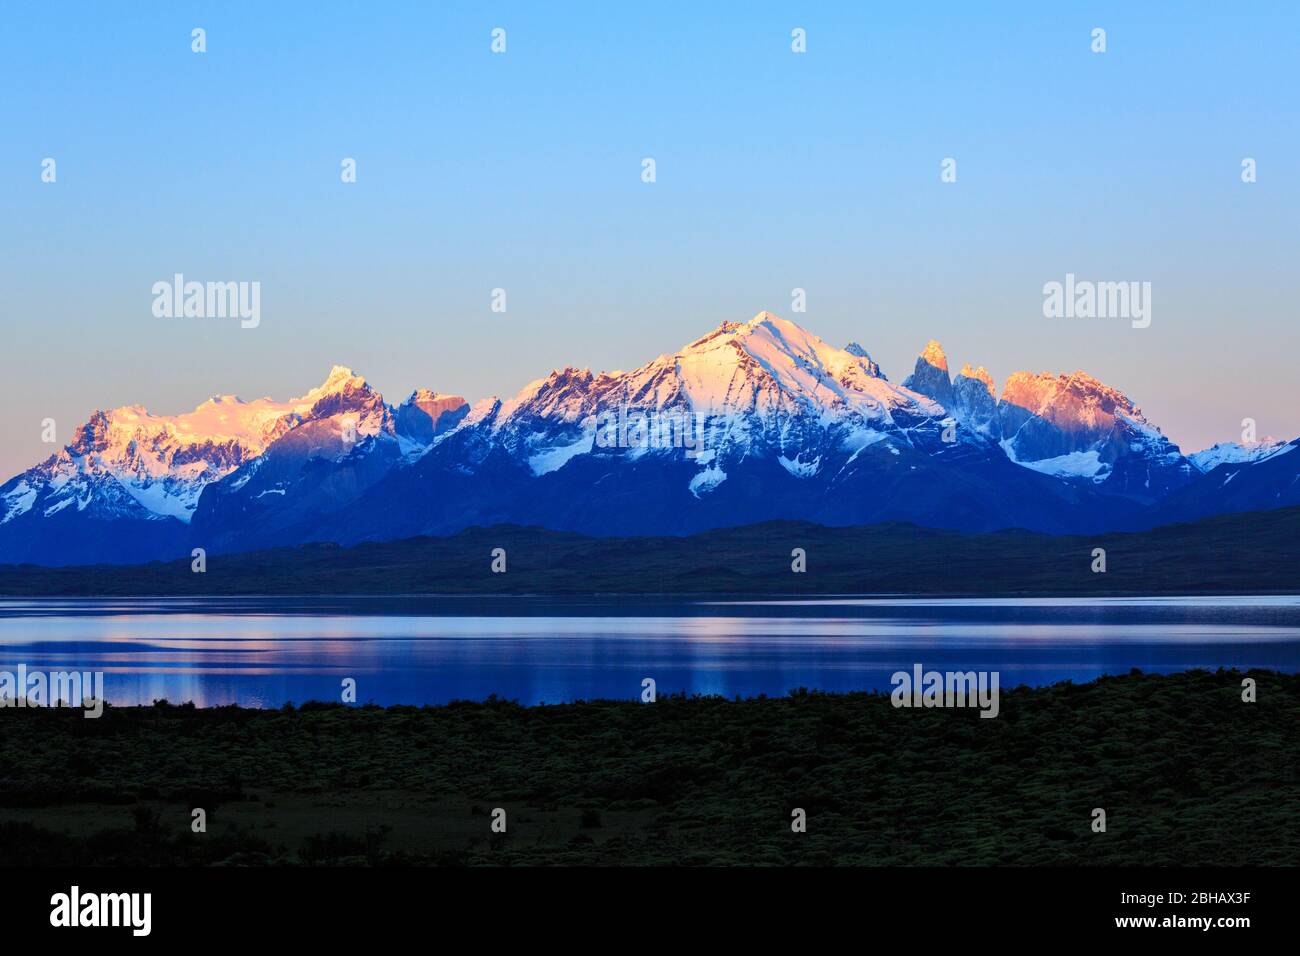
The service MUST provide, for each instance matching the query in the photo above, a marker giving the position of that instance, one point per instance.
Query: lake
(264, 652)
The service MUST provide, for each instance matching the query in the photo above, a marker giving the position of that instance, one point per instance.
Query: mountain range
(753, 422)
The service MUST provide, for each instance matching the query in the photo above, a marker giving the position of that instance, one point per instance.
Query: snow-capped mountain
(129, 481)
(128, 460)
(975, 400)
(1236, 481)
(346, 441)
(752, 421)
(1072, 427)
(1075, 426)
(1235, 453)
(763, 386)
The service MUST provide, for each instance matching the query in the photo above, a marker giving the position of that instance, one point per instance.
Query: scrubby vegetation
(1187, 774)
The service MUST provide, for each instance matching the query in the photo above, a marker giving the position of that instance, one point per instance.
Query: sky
(522, 171)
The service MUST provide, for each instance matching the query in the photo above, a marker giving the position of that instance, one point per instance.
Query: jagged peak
(933, 354)
(342, 386)
(339, 379)
(870, 364)
(1083, 378)
(1077, 379)
(1041, 392)
(424, 395)
(979, 374)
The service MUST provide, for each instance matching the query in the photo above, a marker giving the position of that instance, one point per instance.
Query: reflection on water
(263, 652)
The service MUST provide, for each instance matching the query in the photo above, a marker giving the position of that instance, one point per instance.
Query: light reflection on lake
(263, 652)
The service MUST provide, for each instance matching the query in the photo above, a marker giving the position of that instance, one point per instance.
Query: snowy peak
(760, 367)
(857, 351)
(1236, 453)
(780, 421)
(340, 379)
(1075, 426)
(129, 462)
(223, 422)
(1069, 426)
(336, 419)
(92, 436)
(342, 391)
(765, 389)
(779, 361)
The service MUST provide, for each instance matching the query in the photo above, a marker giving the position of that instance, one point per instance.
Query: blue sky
(522, 171)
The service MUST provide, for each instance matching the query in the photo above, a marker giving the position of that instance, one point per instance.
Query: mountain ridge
(751, 421)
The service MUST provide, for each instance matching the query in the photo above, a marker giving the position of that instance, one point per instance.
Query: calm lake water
(263, 652)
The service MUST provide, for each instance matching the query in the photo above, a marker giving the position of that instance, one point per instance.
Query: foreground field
(1186, 771)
